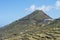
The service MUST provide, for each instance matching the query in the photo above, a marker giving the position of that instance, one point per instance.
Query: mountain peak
(38, 15)
(39, 10)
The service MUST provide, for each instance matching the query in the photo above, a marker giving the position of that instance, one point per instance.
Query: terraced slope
(48, 32)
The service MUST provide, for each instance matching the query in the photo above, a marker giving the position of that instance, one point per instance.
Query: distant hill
(35, 26)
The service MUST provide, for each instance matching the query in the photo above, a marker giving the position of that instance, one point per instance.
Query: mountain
(35, 26)
(38, 15)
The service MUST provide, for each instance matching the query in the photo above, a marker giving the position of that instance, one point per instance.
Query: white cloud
(31, 8)
(45, 7)
(57, 4)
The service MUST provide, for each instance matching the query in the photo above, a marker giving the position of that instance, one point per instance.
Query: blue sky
(11, 10)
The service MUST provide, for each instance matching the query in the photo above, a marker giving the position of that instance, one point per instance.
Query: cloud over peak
(45, 7)
(31, 8)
